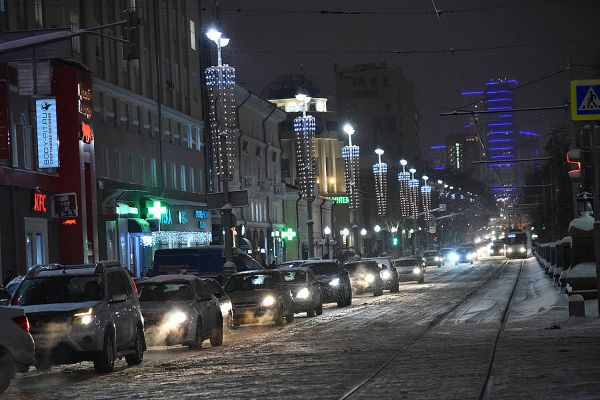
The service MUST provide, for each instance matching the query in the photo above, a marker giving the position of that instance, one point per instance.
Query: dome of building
(288, 86)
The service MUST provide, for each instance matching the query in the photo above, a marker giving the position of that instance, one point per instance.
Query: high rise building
(461, 153)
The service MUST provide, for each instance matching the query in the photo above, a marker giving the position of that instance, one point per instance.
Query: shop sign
(65, 205)
(84, 101)
(201, 215)
(39, 202)
(182, 217)
(47, 133)
(340, 199)
(86, 134)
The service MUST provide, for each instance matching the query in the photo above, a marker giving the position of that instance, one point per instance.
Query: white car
(16, 344)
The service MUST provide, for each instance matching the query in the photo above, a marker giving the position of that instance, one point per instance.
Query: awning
(244, 244)
(137, 225)
(121, 196)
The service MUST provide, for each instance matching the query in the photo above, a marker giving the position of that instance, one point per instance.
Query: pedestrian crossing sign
(585, 100)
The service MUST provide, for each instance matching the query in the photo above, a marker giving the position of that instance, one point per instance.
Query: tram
(518, 244)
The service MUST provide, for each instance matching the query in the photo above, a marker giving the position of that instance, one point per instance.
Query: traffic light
(132, 33)
(395, 241)
(574, 159)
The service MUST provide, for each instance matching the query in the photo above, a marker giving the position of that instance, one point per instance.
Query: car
(365, 276)
(410, 269)
(4, 296)
(450, 255)
(84, 312)
(180, 309)
(306, 291)
(224, 301)
(333, 279)
(203, 261)
(389, 274)
(17, 348)
(433, 258)
(14, 284)
(466, 255)
(260, 295)
(498, 248)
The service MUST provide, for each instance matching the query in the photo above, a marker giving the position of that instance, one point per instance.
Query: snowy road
(326, 356)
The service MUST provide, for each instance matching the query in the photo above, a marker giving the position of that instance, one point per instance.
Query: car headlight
(453, 257)
(268, 301)
(369, 278)
(175, 318)
(469, 256)
(438, 259)
(509, 250)
(386, 275)
(416, 270)
(335, 282)
(522, 249)
(302, 294)
(84, 317)
(491, 251)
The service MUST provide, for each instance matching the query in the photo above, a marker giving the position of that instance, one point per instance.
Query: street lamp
(350, 154)
(305, 127)
(220, 84)
(377, 229)
(327, 232)
(363, 232)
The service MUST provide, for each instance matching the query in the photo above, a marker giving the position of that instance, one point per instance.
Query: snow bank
(567, 240)
(583, 270)
(583, 223)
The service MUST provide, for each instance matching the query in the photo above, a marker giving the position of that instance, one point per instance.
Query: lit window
(74, 25)
(182, 180)
(193, 34)
(153, 181)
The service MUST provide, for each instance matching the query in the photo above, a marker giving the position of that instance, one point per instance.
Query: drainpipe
(266, 142)
(237, 122)
(298, 224)
(159, 99)
(321, 219)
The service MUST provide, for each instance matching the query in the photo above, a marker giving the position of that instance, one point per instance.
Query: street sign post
(585, 100)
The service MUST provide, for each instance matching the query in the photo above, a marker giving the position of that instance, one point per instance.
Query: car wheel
(378, 292)
(105, 362)
(312, 312)
(216, 337)
(198, 339)
(290, 317)
(137, 357)
(230, 323)
(349, 298)
(7, 371)
(395, 287)
(422, 280)
(279, 317)
(319, 309)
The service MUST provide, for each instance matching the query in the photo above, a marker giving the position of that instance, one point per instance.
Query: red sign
(87, 135)
(70, 222)
(4, 134)
(39, 202)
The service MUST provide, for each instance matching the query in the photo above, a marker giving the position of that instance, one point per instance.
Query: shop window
(112, 244)
(36, 241)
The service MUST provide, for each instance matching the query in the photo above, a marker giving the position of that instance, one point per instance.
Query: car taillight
(23, 322)
(137, 293)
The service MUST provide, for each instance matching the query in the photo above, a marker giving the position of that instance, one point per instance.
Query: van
(205, 262)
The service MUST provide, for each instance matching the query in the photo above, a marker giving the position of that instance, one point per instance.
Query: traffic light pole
(596, 168)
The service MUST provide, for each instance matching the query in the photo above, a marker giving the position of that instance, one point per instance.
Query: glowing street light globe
(327, 230)
(363, 232)
(214, 34)
(377, 228)
(403, 162)
(348, 129)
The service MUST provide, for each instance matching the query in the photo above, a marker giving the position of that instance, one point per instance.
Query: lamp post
(377, 230)
(413, 186)
(220, 84)
(426, 199)
(345, 232)
(327, 232)
(351, 157)
(363, 233)
(305, 127)
(380, 172)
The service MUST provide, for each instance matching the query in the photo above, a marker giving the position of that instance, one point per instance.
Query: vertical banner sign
(4, 149)
(47, 133)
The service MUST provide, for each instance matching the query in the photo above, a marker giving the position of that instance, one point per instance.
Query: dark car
(433, 258)
(410, 269)
(224, 300)
(259, 295)
(450, 255)
(466, 254)
(306, 290)
(498, 248)
(180, 309)
(333, 279)
(365, 276)
(4, 297)
(389, 274)
(205, 262)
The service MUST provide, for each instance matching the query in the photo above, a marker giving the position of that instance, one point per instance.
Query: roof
(170, 278)
(309, 261)
(287, 269)
(288, 86)
(257, 271)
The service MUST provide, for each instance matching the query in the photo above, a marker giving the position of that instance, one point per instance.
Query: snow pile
(583, 270)
(585, 223)
(567, 240)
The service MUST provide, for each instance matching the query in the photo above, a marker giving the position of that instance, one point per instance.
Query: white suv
(16, 345)
(83, 313)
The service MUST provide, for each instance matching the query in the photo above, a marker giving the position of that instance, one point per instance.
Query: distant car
(433, 258)
(498, 248)
(333, 279)
(389, 274)
(83, 313)
(365, 276)
(4, 296)
(410, 269)
(224, 300)
(204, 261)
(14, 284)
(450, 255)
(180, 309)
(466, 255)
(306, 290)
(16, 345)
(260, 295)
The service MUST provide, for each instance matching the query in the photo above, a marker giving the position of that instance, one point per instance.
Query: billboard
(47, 133)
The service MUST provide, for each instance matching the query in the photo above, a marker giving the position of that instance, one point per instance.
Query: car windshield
(516, 238)
(430, 254)
(324, 268)
(167, 291)
(250, 282)
(362, 266)
(59, 289)
(292, 264)
(447, 251)
(294, 276)
(407, 262)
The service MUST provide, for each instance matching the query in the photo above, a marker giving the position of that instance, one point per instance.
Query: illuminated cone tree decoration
(305, 126)
(426, 198)
(403, 179)
(413, 193)
(380, 172)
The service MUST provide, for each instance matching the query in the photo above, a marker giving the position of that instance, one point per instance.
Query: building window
(192, 180)
(130, 168)
(104, 161)
(74, 25)
(359, 81)
(182, 179)
(174, 175)
(192, 34)
(164, 174)
(153, 171)
(117, 165)
(198, 140)
(38, 11)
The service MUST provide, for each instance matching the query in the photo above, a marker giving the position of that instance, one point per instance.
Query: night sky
(285, 34)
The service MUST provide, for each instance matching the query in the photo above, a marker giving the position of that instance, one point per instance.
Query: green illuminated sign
(340, 199)
(156, 210)
(288, 234)
(394, 241)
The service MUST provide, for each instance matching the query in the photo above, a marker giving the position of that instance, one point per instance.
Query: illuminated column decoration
(220, 84)
(380, 172)
(351, 174)
(426, 198)
(403, 179)
(305, 126)
(413, 193)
